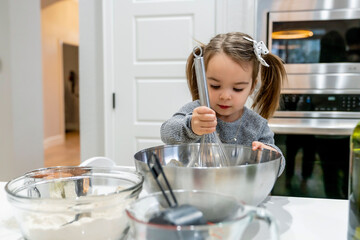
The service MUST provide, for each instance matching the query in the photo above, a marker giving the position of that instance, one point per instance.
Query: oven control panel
(320, 102)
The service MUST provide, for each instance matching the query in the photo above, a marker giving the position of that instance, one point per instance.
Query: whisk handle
(201, 77)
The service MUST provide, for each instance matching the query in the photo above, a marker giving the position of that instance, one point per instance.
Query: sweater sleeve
(177, 129)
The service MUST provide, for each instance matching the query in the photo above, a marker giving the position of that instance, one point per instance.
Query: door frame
(109, 79)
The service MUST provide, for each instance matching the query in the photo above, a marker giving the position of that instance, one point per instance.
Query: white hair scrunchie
(259, 48)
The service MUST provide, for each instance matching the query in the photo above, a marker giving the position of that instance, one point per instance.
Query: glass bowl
(226, 218)
(74, 202)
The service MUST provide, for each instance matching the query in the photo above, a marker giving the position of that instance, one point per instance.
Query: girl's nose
(225, 95)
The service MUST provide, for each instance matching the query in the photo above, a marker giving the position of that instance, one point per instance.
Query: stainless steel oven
(319, 41)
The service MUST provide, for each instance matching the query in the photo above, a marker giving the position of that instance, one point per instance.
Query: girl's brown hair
(240, 50)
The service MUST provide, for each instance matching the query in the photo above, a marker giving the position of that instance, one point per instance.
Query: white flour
(89, 228)
(102, 223)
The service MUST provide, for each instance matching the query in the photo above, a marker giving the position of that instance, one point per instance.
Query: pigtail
(191, 75)
(272, 79)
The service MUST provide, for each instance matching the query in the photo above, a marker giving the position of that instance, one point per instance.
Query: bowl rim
(136, 186)
(164, 146)
(244, 207)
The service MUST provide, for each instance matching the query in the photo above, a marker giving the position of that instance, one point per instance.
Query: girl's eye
(214, 87)
(238, 89)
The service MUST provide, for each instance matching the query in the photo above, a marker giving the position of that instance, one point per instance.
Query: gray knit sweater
(250, 127)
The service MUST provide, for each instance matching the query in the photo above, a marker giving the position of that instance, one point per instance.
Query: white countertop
(304, 218)
(297, 218)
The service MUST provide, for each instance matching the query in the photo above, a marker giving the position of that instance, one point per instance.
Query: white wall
(21, 119)
(6, 132)
(240, 16)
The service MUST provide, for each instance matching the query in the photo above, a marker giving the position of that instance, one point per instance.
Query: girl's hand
(258, 145)
(203, 120)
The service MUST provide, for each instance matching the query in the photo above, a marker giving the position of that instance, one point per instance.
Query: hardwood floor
(67, 154)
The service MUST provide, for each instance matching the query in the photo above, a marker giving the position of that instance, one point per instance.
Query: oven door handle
(312, 126)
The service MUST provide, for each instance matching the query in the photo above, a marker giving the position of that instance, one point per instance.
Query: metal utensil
(81, 189)
(210, 155)
(175, 215)
(76, 218)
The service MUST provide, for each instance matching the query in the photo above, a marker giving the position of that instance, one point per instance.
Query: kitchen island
(297, 218)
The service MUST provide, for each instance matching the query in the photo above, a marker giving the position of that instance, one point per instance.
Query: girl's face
(229, 86)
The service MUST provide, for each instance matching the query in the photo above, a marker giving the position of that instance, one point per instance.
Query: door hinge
(113, 100)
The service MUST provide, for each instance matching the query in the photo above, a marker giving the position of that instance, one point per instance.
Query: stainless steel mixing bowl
(250, 177)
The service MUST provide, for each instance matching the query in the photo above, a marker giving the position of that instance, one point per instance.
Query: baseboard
(54, 140)
(72, 127)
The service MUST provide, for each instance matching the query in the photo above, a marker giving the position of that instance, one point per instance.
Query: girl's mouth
(223, 107)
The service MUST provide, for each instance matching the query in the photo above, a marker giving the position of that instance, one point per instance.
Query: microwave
(316, 41)
(319, 42)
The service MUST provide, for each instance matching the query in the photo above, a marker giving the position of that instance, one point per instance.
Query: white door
(151, 42)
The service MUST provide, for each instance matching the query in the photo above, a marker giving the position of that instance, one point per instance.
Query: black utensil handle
(157, 170)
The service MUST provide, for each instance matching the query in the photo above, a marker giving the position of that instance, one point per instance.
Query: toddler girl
(232, 62)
